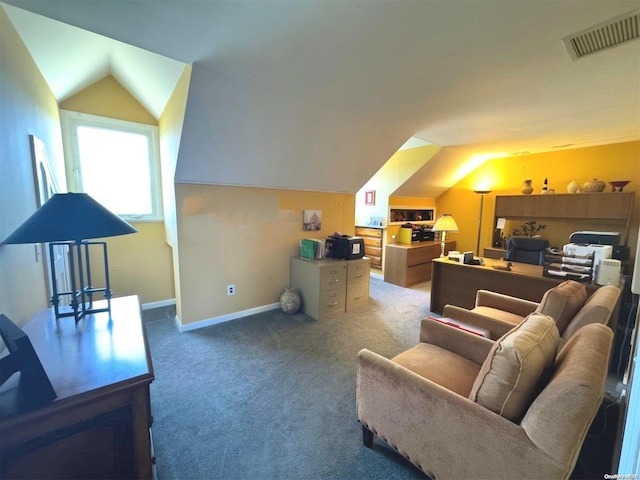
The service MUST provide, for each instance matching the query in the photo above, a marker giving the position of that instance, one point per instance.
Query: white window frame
(70, 121)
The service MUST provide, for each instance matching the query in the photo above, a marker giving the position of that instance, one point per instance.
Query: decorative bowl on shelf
(618, 185)
(593, 186)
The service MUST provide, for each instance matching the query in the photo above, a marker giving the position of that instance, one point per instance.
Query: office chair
(526, 250)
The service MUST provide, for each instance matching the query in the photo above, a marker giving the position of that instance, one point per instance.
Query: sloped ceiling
(318, 94)
(71, 59)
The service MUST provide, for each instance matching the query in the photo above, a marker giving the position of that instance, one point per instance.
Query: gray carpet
(272, 396)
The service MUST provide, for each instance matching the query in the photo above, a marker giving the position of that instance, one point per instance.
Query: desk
(99, 424)
(456, 284)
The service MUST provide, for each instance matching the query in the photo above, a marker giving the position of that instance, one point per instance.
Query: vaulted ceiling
(318, 94)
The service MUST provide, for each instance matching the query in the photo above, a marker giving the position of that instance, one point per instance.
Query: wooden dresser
(373, 238)
(99, 424)
(408, 264)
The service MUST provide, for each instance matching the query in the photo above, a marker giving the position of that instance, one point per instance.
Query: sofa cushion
(510, 376)
(597, 309)
(562, 302)
(497, 314)
(437, 364)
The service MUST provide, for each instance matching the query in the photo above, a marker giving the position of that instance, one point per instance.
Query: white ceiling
(318, 94)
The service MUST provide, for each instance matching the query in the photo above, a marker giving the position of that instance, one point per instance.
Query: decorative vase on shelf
(527, 188)
(290, 300)
(573, 187)
(594, 185)
(545, 186)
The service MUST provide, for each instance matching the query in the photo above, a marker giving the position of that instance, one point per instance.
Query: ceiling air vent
(608, 34)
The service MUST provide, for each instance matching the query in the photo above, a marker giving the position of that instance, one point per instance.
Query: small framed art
(370, 197)
(312, 220)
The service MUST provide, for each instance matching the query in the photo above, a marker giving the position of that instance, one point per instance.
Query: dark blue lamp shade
(69, 216)
(67, 220)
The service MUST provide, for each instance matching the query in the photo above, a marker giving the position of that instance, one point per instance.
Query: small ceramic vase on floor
(290, 300)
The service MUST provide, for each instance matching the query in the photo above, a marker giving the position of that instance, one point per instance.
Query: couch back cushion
(563, 302)
(597, 309)
(510, 376)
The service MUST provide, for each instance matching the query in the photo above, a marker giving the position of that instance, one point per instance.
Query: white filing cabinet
(330, 286)
(358, 283)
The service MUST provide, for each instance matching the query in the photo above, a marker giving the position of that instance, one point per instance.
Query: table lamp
(68, 220)
(445, 223)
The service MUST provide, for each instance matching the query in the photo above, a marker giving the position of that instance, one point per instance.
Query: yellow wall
(139, 264)
(28, 107)
(620, 161)
(107, 98)
(246, 237)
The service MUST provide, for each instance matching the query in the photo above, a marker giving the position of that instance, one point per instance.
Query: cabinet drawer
(416, 256)
(358, 271)
(375, 261)
(368, 232)
(333, 277)
(418, 274)
(373, 251)
(332, 301)
(374, 242)
(357, 296)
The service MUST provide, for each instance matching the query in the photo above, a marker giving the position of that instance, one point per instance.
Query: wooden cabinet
(616, 206)
(605, 206)
(99, 424)
(406, 265)
(373, 238)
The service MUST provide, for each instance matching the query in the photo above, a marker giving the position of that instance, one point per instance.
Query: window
(114, 161)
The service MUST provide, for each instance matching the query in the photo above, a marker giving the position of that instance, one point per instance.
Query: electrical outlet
(231, 289)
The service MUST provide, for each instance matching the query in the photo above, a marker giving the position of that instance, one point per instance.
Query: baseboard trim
(224, 318)
(160, 303)
(377, 275)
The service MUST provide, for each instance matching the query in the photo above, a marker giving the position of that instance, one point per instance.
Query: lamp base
(80, 295)
(442, 242)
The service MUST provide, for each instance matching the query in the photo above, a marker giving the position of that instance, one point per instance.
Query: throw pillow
(509, 377)
(563, 302)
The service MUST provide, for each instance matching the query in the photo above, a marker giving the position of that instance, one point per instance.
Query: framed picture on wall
(312, 220)
(370, 197)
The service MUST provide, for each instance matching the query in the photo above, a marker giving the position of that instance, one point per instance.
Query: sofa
(462, 406)
(567, 303)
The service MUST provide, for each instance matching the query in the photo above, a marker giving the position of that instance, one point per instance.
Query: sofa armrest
(444, 434)
(497, 328)
(518, 306)
(467, 345)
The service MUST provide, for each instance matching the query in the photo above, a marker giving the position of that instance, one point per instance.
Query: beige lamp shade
(445, 223)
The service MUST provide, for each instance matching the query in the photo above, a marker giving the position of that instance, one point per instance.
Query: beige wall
(27, 108)
(620, 161)
(139, 264)
(170, 130)
(246, 237)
